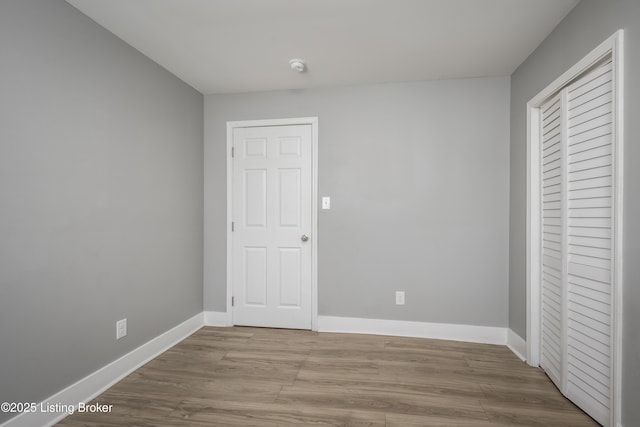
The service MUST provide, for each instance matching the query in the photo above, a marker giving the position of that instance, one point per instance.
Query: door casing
(313, 122)
(613, 47)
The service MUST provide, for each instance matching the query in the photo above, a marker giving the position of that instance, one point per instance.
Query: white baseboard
(96, 383)
(516, 344)
(401, 328)
(216, 318)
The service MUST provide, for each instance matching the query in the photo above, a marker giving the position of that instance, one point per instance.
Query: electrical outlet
(121, 328)
(399, 297)
(326, 202)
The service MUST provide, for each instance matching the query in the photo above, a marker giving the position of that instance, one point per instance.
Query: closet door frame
(612, 47)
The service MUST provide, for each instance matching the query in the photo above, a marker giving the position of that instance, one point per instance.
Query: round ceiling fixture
(298, 65)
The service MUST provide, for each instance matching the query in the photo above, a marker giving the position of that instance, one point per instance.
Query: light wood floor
(273, 377)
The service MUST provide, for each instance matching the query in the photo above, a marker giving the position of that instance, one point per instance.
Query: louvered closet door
(552, 240)
(589, 238)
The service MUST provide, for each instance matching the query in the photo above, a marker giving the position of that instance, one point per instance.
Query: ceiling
(225, 46)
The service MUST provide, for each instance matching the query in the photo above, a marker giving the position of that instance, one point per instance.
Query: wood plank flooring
(274, 377)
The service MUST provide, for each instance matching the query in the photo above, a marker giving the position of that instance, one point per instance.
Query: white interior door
(589, 236)
(272, 224)
(553, 272)
(577, 231)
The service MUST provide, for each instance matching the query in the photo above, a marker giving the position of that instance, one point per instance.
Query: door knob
(304, 237)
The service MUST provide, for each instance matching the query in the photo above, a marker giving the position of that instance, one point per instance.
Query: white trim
(229, 221)
(402, 328)
(313, 121)
(612, 46)
(96, 383)
(314, 226)
(516, 344)
(604, 49)
(534, 229)
(216, 318)
(617, 54)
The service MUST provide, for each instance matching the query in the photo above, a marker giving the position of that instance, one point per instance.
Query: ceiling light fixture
(298, 65)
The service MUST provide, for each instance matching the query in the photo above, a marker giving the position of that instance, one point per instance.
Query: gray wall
(589, 24)
(101, 183)
(418, 176)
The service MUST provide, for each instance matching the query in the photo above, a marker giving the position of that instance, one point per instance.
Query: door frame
(313, 122)
(613, 46)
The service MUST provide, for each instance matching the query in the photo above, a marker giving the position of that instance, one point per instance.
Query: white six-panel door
(272, 202)
(577, 190)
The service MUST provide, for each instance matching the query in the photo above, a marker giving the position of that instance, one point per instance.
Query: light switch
(326, 203)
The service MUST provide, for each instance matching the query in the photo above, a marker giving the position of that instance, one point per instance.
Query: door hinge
(232, 301)
(233, 226)
(233, 151)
